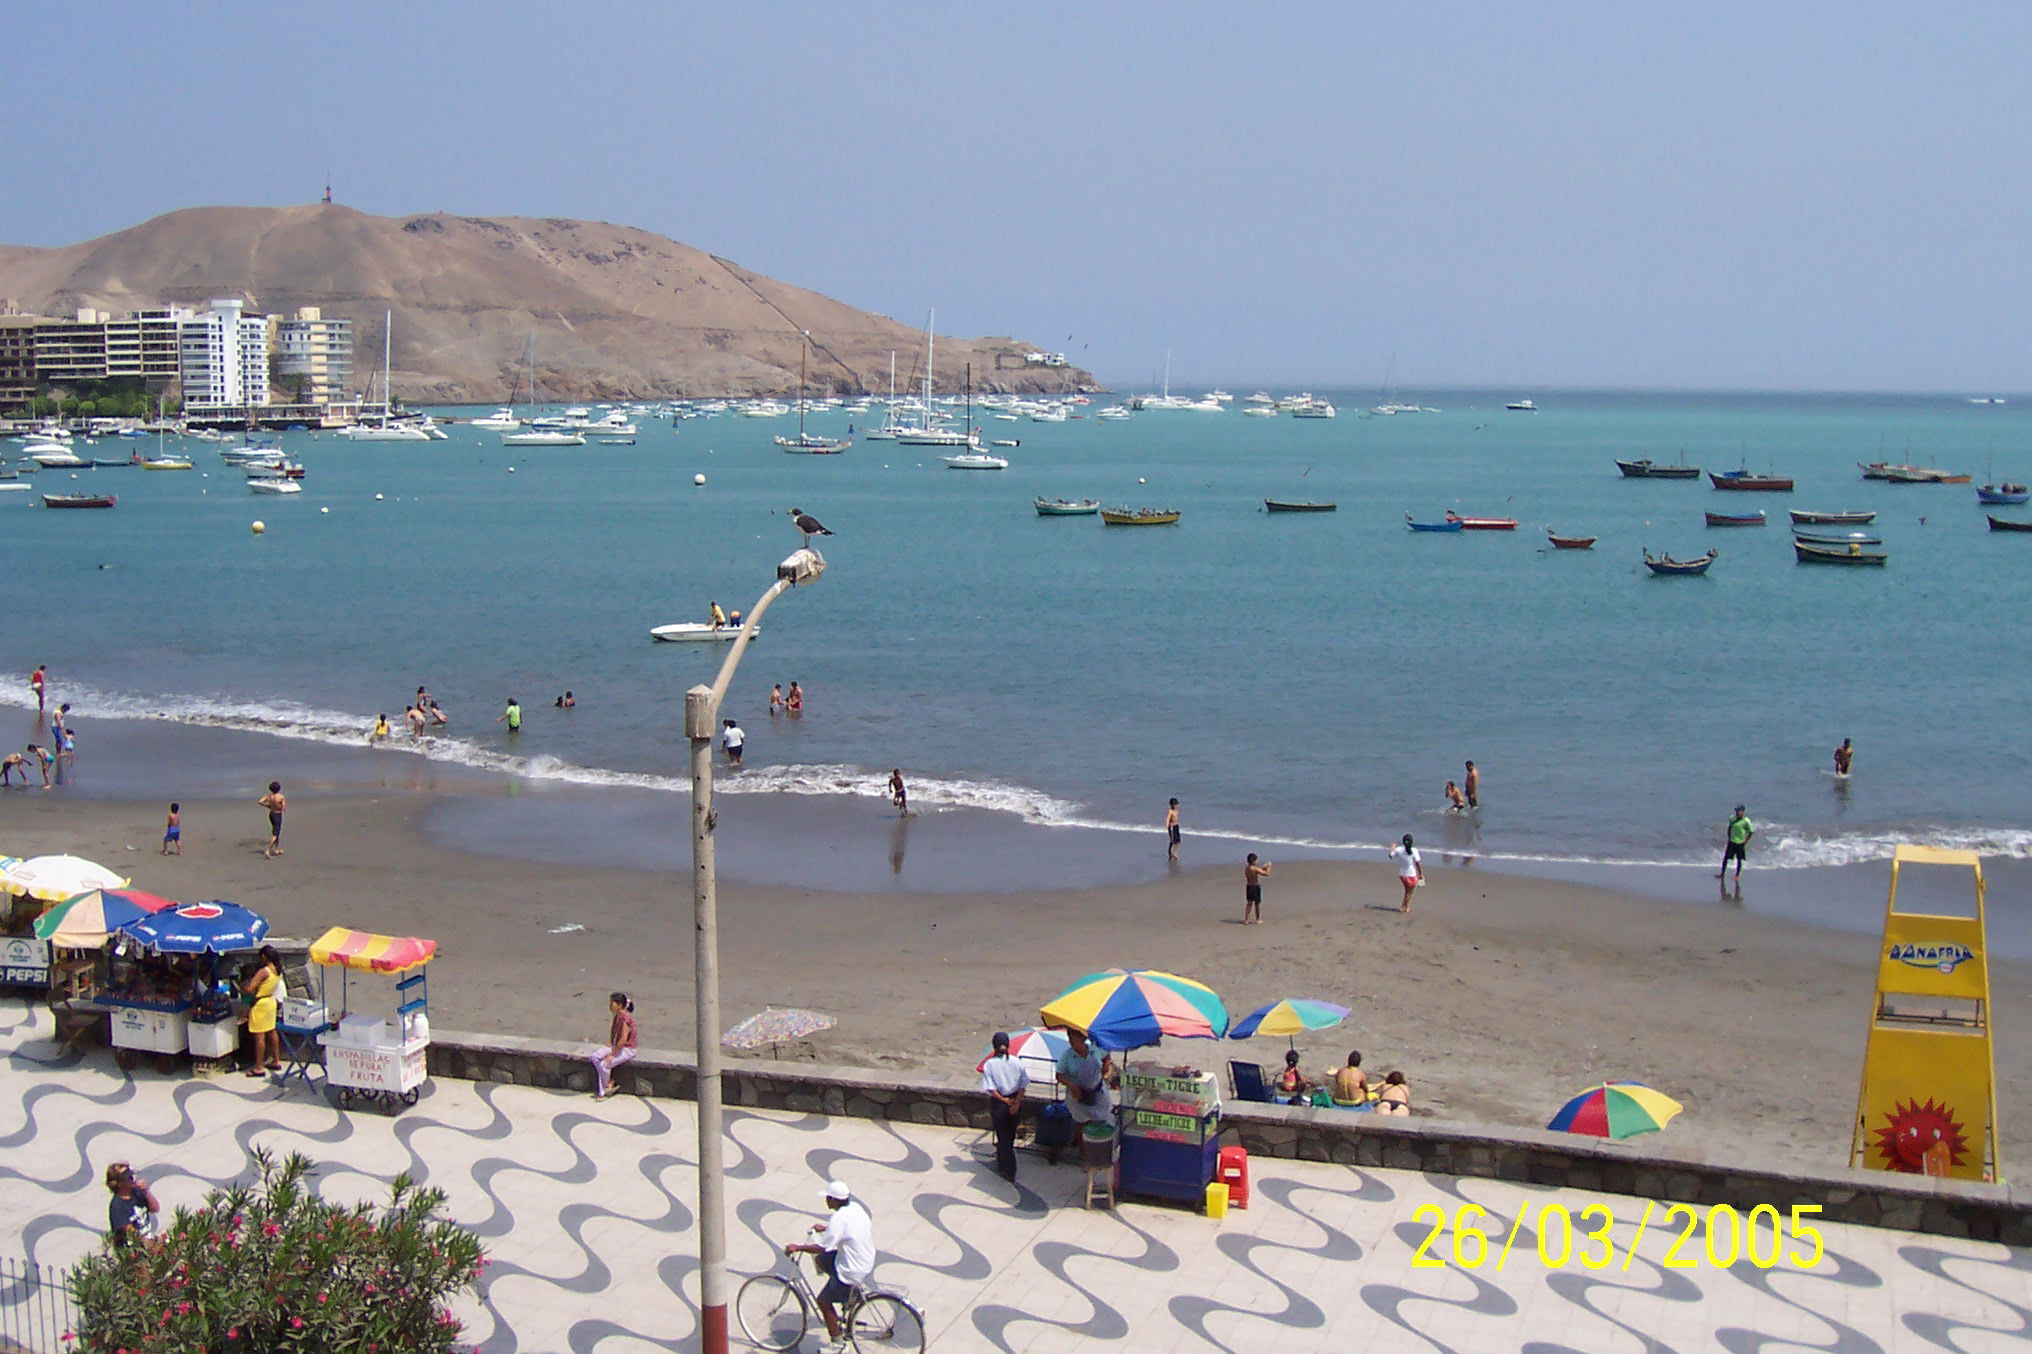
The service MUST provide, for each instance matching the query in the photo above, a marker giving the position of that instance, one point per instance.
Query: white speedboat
(1114, 413)
(273, 484)
(13, 487)
(385, 432)
(502, 420)
(50, 456)
(544, 437)
(615, 424)
(1260, 411)
(975, 460)
(1313, 409)
(697, 632)
(1522, 406)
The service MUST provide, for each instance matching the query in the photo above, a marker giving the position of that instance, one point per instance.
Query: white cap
(837, 1189)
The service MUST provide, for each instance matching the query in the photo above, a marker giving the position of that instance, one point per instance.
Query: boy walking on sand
(172, 831)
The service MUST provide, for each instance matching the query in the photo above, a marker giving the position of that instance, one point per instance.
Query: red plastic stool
(1233, 1171)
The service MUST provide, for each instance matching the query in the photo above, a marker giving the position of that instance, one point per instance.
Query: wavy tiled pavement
(587, 1210)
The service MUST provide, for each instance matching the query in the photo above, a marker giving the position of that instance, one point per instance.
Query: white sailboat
(974, 458)
(890, 427)
(808, 444)
(382, 428)
(928, 433)
(540, 432)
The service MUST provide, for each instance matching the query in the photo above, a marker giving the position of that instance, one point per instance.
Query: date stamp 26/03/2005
(1556, 1237)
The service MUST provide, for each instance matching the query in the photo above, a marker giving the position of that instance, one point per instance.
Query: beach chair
(1247, 1079)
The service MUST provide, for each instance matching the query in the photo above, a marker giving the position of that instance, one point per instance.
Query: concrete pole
(700, 710)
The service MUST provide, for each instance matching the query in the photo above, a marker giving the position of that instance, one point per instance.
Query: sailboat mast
(387, 365)
(930, 347)
(803, 349)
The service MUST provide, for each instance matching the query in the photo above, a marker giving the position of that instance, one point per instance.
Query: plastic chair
(1248, 1083)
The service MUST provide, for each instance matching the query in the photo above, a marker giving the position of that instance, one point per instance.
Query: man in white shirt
(732, 738)
(1004, 1079)
(845, 1251)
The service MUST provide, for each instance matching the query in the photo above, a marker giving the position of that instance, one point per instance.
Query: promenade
(587, 1210)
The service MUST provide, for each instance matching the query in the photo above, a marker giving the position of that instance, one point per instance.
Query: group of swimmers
(792, 704)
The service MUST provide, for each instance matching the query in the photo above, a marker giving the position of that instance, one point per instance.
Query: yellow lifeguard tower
(1928, 1100)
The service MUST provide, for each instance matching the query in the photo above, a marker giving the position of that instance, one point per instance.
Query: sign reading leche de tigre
(24, 962)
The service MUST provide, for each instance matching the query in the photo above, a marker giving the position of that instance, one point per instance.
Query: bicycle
(776, 1310)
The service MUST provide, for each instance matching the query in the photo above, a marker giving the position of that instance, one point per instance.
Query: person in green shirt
(512, 715)
(1740, 830)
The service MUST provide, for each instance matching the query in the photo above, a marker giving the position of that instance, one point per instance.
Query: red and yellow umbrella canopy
(369, 953)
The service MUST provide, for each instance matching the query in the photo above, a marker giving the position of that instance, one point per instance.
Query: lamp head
(802, 567)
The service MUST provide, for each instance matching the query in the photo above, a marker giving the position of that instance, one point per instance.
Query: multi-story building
(225, 358)
(314, 357)
(95, 346)
(17, 361)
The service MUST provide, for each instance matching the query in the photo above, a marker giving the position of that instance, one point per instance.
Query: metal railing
(36, 1308)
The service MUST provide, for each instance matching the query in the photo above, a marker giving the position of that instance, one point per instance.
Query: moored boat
(1452, 524)
(697, 632)
(1139, 517)
(1669, 567)
(1651, 470)
(1852, 553)
(2003, 493)
(1920, 474)
(1483, 523)
(1285, 505)
(166, 463)
(1845, 538)
(1560, 542)
(1743, 480)
(1724, 519)
(273, 484)
(79, 500)
(2004, 524)
(1832, 519)
(1067, 507)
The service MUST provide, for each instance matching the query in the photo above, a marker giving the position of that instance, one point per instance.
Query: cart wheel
(411, 1096)
(124, 1059)
(345, 1097)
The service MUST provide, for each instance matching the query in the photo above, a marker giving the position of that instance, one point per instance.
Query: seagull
(808, 524)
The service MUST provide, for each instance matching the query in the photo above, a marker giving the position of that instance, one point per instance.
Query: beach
(1499, 996)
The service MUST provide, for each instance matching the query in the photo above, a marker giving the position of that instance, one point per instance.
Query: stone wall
(1869, 1198)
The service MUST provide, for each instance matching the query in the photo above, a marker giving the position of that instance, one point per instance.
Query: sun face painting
(1921, 1139)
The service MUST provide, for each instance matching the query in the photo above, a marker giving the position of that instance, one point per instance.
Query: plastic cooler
(1233, 1171)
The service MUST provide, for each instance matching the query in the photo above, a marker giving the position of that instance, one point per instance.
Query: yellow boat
(1139, 517)
(166, 463)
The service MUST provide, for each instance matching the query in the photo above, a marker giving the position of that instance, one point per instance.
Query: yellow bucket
(1217, 1200)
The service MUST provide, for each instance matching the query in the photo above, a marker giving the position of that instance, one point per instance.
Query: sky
(1525, 196)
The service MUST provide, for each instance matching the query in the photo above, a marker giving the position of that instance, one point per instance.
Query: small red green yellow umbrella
(1616, 1109)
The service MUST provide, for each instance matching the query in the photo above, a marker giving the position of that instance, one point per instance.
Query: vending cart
(1171, 1124)
(377, 1039)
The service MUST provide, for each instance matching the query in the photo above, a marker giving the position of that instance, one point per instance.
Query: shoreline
(1500, 996)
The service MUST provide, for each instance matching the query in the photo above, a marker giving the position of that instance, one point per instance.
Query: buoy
(324, 510)
(1141, 480)
(377, 498)
(511, 469)
(260, 527)
(698, 479)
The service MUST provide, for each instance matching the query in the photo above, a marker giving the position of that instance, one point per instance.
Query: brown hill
(614, 310)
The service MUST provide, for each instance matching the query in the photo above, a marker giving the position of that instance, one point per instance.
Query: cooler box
(1233, 1171)
(214, 1039)
(1097, 1146)
(148, 1029)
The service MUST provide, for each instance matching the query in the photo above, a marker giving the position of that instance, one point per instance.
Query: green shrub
(275, 1267)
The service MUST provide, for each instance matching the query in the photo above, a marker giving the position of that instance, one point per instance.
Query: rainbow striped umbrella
(1120, 1009)
(1616, 1109)
(1291, 1017)
(86, 921)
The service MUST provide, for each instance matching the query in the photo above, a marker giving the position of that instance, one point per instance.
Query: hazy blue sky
(1527, 195)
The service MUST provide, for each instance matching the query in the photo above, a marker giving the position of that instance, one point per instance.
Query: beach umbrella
(776, 1025)
(1036, 1048)
(86, 921)
(1291, 1017)
(1616, 1109)
(217, 927)
(1120, 1009)
(51, 879)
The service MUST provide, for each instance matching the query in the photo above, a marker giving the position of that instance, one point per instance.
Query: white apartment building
(314, 357)
(225, 358)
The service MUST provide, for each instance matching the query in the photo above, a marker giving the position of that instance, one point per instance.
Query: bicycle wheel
(771, 1312)
(885, 1321)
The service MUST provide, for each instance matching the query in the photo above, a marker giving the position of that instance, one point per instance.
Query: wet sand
(1499, 997)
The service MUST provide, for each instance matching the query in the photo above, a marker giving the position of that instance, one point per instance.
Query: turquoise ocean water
(1295, 679)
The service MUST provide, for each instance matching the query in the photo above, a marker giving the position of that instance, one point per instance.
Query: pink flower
(183, 1309)
(232, 1333)
(322, 1296)
(296, 1323)
(271, 1229)
(370, 1288)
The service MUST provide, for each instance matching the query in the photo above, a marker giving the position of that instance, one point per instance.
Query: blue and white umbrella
(217, 927)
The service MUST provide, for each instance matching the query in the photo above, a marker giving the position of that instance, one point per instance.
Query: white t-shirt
(1004, 1076)
(850, 1236)
(1407, 867)
(732, 737)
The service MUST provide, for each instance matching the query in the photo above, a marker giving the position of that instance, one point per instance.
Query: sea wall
(1867, 1198)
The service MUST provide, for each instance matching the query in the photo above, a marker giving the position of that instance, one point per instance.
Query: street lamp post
(701, 714)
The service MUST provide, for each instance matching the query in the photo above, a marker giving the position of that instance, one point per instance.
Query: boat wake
(1780, 846)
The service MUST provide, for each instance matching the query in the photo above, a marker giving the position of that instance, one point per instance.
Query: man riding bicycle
(845, 1251)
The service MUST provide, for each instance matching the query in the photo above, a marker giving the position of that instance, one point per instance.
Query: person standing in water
(1171, 831)
(512, 715)
(1472, 785)
(793, 704)
(732, 738)
(37, 680)
(1844, 757)
(776, 699)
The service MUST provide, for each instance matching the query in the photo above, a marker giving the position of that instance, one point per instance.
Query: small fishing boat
(1451, 524)
(1724, 519)
(79, 500)
(2001, 524)
(812, 444)
(273, 484)
(1483, 523)
(1832, 519)
(1067, 507)
(1673, 568)
(2003, 493)
(1743, 480)
(1651, 470)
(1139, 517)
(1005, 442)
(697, 632)
(1560, 542)
(115, 463)
(1843, 538)
(1852, 553)
(1920, 474)
(1284, 505)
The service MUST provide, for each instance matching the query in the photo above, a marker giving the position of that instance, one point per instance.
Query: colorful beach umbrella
(217, 927)
(1120, 1009)
(776, 1025)
(1291, 1017)
(86, 921)
(369, 953)
(51, 879)
(1616, 1109)
(1036, 1048)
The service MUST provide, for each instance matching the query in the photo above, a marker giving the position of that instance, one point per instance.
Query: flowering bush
(275, 1268)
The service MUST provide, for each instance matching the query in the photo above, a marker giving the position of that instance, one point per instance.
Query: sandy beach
(1498, 997)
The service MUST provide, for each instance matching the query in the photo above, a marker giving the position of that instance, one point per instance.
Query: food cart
(167, 992)
(367, 1055)
(29, 890)
(1171, 1124)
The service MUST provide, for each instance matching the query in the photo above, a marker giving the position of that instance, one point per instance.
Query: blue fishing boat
(1455, 525)
(2002, 493)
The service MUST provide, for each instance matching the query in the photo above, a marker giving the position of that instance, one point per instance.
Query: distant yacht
(501, 420)
(1522, 406)
(1986, 399)
(1310, 408)
(1258, 411)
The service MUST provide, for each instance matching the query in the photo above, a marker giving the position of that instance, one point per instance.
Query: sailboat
(974, 458)
(890, 427)
(382, 428)
(928, 433)
(808, 444)
(1390, 404)
(540, 432)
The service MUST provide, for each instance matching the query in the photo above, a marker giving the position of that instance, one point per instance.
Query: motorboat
(501, 420)
(1251, 411)
(1313, 409)
(1067, 507)
(975, 460)
(1560, 542)
(544, 437)
(51, 456)
(2003, 493)
(12, 487)
(1843, 539)
(1651, 470)
(1451, 523)
(1743, 480)
(2005, 524)
(1483, 523)
(1115, 413)
(697, 632)
(386, 431)
(1521, 407)
(273, 484)
(615, 424)
(1723, 519)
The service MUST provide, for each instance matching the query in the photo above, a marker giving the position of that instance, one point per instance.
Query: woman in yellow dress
(265, 985)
